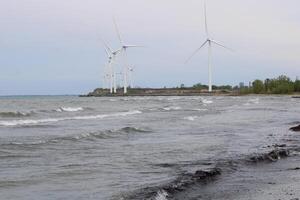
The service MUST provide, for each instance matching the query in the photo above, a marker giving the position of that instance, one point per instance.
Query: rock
(271, 156)
(280, 145)
(295, 128)
(200, 175)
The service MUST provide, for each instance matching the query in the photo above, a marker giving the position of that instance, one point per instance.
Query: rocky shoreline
(265, 176)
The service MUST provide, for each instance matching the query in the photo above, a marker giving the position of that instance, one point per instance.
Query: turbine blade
(205, 16)
(118, 51)
(107, 53)
(107, 48)
(118, 32)
(221, 45)
(196, 52)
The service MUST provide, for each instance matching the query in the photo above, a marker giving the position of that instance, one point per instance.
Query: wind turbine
(130, 74)
(112, 73)
(124, 48)
(208, 41)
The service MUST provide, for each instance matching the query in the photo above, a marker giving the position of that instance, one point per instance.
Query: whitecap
(206, 101)
(172, 108)
(69, 109)
(254, 100)
(39, 121)
(190, 118)
(161, 195)
(200, 109)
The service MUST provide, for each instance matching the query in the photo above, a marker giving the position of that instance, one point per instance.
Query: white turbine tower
(130, 76)
(208, 41)
(112, 73)
(109, 66)
(124, 47)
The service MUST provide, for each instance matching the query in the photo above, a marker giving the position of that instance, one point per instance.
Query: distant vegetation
(200, 86)
(280, 85)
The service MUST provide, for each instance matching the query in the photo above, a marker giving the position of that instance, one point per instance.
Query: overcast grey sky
(54, 46)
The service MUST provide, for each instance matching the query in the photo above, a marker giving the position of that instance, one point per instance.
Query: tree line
(279, 85)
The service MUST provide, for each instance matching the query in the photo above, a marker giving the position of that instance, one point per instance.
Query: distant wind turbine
(208, 41)
(111, 59)
(123, 48)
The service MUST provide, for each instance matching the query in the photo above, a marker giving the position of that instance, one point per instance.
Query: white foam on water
(206, 101)
(255, 100)
(47, 120)
(190, 118)
(172, 108)
(161, 195)
(252, 101)
(200, 109)
(69, 109)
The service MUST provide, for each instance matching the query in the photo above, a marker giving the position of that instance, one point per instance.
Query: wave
(172, 108)
(191, 118)
(69, 109)
(200, 109)
(108, 134)
(252, 101)
(15, 114)
(40, 121)
(206, 101)
(180, 184)
(161, 195)
(187, 180)
(134, 129)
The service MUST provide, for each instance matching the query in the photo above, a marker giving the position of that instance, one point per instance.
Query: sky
(54, 47)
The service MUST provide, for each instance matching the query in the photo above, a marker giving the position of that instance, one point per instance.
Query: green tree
(297, 86)
(258, 87)
(200, 86)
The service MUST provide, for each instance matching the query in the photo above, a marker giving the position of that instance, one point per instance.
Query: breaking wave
(186, 180)
(190, 118)
(69, 109)
(15, 114)
(206, 101)
(40, 121)
(172, 108)
(84, 136)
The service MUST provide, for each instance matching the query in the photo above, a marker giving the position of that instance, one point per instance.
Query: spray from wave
(69, 109)
(39, 121)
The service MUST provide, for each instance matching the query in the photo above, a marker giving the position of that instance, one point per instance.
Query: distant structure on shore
(208, 41)
(112, 56)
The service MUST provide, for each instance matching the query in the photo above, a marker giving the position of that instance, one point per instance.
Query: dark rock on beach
(271, 156)
(295, 128)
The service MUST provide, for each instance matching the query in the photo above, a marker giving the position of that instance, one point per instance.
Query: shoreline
(271, 174)
(146, 92)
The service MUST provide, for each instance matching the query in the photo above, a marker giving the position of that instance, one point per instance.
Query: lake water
(66, 147)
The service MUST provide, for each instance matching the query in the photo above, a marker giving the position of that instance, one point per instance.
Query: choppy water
(128, 148)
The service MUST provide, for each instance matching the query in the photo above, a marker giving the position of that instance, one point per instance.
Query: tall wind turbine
(208, 41)
(111, 59)
(124, 48)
